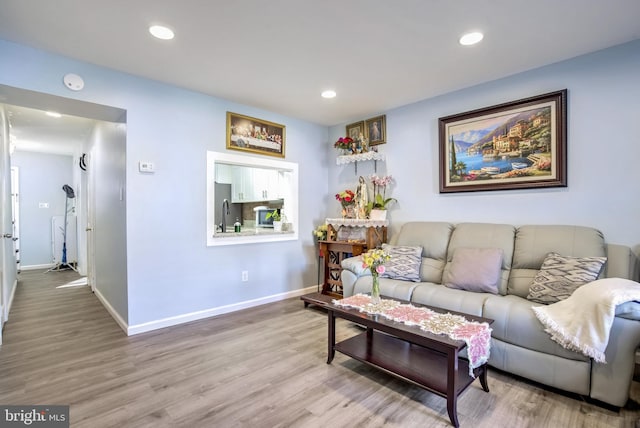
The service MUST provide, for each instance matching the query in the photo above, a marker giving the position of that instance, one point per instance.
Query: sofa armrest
(622, 262)
(629, 310)
(351, 270)
(354, 265)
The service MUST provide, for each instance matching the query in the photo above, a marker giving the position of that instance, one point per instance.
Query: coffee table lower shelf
(413, 363)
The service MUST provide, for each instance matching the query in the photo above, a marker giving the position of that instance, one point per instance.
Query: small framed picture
(376, 130)
(255, 135)
(354, 130)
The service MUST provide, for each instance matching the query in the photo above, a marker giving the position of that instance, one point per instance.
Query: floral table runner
(476, 335)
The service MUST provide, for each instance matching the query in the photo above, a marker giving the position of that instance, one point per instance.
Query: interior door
(8, 263)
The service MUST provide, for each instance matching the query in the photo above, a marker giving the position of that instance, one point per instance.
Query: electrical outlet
(245, 275)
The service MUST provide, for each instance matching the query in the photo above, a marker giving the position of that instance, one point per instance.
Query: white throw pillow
(475, 269)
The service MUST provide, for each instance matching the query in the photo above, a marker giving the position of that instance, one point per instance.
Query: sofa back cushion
(433, 237)
(482, 235)
(475, 269)
(534, 242)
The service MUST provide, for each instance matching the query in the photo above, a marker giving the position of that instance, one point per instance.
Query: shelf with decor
(361, 157)
(347, 237)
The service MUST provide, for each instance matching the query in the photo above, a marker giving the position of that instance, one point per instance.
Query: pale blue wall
(171, 271)
(603, 151)
(41, 177)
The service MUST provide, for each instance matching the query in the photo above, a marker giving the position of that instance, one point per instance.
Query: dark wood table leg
(332, 335)
(483, 378)
(452, 397)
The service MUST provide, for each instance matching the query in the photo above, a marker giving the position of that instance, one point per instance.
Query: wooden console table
(368, 233)
(333, 253)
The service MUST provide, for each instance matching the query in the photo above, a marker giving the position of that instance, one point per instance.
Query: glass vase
(375, 290)
(349, 211)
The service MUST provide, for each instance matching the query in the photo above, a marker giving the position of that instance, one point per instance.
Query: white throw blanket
(583, 322)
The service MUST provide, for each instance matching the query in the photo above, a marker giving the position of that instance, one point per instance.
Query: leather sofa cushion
(534, 242)
(515, 323)
(483, 235)
(394, 288)
(433, 237)
(428, 293)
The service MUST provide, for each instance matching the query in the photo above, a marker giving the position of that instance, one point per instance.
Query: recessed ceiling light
(161, 32)
(53, 114)
(471, 38)
(328, 94)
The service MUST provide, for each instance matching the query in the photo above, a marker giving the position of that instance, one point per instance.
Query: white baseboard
(194, 316)
(114, 314)
(36, 267)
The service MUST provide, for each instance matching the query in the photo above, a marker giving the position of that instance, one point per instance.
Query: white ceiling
(32, 130)
(280, 54)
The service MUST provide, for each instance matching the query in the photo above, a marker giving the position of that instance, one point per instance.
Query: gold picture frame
(253, 135)
(354, 130)
(376, 130)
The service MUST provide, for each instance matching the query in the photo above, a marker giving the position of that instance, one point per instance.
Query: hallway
(56, 335)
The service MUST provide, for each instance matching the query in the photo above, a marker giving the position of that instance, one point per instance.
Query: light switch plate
(146, 166)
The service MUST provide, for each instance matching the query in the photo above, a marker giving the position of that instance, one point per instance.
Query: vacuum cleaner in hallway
(63, 264)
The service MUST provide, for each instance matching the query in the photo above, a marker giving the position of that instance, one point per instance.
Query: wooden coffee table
(428, 360)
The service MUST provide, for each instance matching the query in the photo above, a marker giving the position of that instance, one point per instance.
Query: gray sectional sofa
(519, 343)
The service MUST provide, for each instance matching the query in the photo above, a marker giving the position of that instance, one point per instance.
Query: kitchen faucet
(225, 213)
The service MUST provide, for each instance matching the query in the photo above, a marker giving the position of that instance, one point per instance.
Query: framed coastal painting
(354, 130)
(255, 135)
(516, 145)
(376, 130)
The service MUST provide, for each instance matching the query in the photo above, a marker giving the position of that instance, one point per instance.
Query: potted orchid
(377, 208)
(374, 261)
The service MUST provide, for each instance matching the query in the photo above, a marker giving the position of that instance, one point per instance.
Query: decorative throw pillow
(404, 263)
(560, 276)
(475, 269)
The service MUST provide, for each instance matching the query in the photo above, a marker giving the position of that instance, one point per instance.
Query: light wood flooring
(261, 367)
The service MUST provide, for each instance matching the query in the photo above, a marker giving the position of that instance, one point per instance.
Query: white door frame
(15, 212)
(91, 218)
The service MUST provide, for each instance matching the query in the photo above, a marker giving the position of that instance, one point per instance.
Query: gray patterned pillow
(404, 263)
(560, 276)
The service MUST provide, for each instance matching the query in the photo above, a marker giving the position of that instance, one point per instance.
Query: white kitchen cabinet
(254, 184)
(224, 174)
(240, 190)
(265, 184)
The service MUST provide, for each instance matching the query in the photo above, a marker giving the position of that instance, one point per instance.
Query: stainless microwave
(261, 216)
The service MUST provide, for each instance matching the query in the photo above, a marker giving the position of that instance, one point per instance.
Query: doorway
(27, 113)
